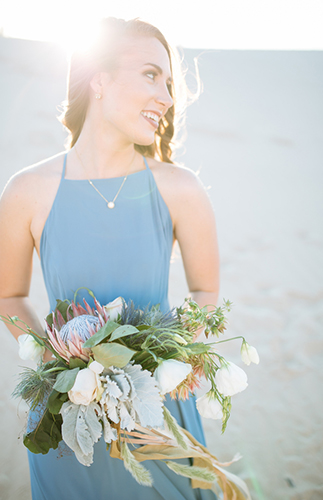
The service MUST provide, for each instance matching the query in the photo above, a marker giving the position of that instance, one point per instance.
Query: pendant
(110, 204)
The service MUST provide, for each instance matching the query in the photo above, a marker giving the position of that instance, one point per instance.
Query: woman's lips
(152, 122)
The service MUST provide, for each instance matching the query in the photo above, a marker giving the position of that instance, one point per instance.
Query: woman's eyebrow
(158, 68)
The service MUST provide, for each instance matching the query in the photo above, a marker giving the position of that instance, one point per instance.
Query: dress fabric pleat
(120, 252)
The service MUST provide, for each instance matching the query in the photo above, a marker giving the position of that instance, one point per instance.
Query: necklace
(110, 204)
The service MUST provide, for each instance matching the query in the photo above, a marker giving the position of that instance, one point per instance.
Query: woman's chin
(145, 142)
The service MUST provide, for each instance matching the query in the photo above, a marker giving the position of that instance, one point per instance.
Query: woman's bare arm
(16, 251)
(195, 231)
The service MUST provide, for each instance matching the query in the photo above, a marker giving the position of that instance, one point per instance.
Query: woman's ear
(96, 83)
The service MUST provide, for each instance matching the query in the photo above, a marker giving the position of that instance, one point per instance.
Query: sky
(209, 24)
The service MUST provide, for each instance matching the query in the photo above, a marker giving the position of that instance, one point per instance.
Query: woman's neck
(97, 155)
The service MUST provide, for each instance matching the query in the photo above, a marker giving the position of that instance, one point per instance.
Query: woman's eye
(151, 74)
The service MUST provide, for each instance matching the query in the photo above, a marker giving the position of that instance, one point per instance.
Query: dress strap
(64, 166)
(146, 163)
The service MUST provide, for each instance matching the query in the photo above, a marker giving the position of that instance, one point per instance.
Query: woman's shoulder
(181, 189)
(175, 175)
(33, 179)
(176, 180)
(42, 171)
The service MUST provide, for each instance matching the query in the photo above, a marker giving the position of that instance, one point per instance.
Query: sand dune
(255, 135)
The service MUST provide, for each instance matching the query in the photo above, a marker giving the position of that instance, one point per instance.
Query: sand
(255, 135)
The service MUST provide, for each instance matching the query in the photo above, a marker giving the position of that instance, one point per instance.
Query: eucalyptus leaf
(77, 363)
(65, 380)
(101, 334)
(123, 331)
(55, 401)
(112, 354)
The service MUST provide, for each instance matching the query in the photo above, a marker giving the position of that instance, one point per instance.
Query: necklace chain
(110, 204)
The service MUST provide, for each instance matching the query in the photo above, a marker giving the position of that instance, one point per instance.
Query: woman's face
(135, 95)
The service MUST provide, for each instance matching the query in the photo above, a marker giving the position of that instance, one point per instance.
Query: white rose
(230, 379)
(170, 373)
(29, 348)
(249, 354)
(114, 308)
(209, 407)
(96, 367)
(87, 385)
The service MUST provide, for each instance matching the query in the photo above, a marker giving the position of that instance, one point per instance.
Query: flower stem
(227, 340)
(55, 369)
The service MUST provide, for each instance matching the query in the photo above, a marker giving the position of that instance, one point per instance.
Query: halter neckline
(101, 178)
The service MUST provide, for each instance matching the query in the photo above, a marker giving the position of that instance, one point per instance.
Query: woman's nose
(164, 97)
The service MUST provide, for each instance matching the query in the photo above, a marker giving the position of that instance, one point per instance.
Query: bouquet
(112, 366)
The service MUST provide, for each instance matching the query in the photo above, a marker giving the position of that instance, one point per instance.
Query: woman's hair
(103, 56)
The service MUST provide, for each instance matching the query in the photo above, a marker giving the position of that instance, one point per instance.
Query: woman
(105, 216)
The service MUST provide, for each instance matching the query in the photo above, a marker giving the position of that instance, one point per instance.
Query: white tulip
(209, 407)
(249, 354)
(230, 379)
(170, 373)
(87, 386)
(114, 308)
(29, 348)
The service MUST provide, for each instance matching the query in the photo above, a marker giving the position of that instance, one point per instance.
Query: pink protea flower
(68, 337)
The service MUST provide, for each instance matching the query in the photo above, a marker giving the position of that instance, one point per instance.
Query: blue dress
(120, 252)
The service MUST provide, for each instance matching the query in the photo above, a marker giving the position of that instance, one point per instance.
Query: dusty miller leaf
(147, 402)
(81, 429)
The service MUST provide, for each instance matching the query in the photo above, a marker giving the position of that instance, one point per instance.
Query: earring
(98, 96)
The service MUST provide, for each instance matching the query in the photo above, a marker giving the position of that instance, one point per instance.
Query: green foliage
(46, 435)
(123, 331)
(61, 306)
(77, 363)
(112, 354)
(138, 471)
(213, 321)
(101, 334)
(226, 407)
(65, 380)
(55, 401)
(196, 348)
